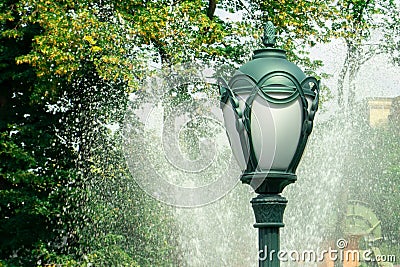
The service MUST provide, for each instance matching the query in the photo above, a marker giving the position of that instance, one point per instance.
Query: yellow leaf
(95, 49)
(89, 39)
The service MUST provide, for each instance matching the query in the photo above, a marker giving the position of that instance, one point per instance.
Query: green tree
(35, 167)
(51, 119)
(32, 215)
(367, 28)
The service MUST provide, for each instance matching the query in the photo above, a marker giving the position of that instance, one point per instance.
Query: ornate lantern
(269, 107)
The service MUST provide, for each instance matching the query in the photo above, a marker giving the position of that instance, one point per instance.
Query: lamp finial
(269, 37)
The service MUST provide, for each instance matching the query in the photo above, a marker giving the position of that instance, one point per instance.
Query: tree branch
(342, 76)
(212, 5)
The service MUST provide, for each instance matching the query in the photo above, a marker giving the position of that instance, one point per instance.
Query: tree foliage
(357, 21)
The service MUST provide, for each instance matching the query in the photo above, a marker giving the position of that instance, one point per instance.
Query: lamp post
(269, 106)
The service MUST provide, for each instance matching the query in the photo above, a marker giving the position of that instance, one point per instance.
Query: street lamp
(269, 107)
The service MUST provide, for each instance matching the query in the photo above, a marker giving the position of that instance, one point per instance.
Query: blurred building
(383, 110)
